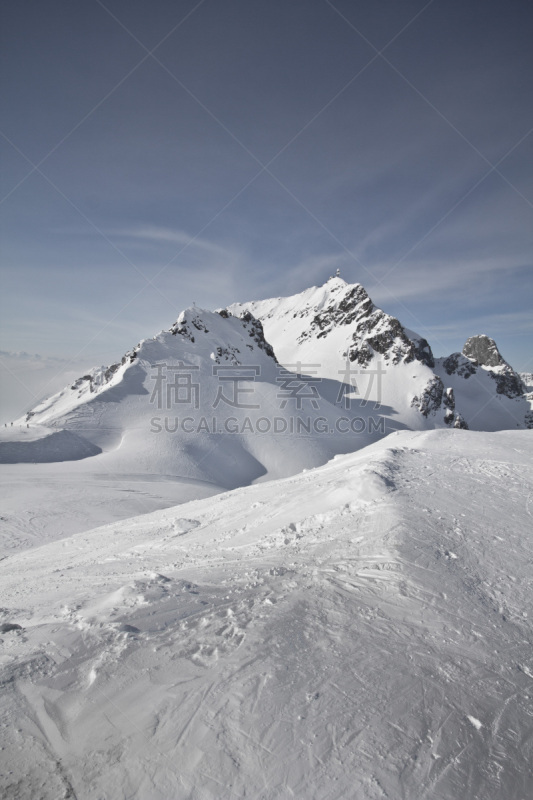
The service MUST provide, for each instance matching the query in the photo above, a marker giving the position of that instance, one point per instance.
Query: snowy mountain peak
(337, 331)
(198, 337)
(335, 282)
(373, 332)
(489, 391)
(343, 314)
(354, 357)
(202, 335)
(481, 358)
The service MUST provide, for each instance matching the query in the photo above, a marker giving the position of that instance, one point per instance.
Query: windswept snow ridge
(361, 630)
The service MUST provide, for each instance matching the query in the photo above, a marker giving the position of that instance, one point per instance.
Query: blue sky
(156, 154)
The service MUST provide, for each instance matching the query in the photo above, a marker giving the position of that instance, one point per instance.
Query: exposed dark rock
(431, 398)
(110, 371)
(458, 364)
(373, 331)
(508, 382)
(199, 325)
(460, 423)
(448, 399)
(6, 627)
(256, 332)
(77, 383)
(527, 380)
(131, 355)
(181, 329)
(483, 350)
(423, 352)
(361, 355)
(228, 354)
(393, 342)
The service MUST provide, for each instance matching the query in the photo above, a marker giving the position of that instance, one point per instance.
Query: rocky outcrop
(373, 331)
(448, 401)
(256, 332)
(430, 399)
(527, 380)
(508, 381)
(459, 364)
(483, 350)
(190, 324)
(435, 398)
(459, 422)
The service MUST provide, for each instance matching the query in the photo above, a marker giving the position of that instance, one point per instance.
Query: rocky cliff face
(192, 322)
(337, 326)
(341, 312)
(458, 364)
(486, 387)
(483, 350)
(372, 331)
(435, 399)
(527, 380)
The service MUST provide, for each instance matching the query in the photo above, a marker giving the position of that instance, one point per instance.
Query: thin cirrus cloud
(206, 263)
(498, 323)
(151, 234)
(421, 280)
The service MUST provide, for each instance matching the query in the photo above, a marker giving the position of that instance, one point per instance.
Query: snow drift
(361, 630)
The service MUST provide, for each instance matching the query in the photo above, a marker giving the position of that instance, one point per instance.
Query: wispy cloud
(153, 234)
(521, 324)
(444, 276)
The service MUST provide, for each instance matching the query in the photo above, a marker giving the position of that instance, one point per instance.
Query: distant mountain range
(267, 388)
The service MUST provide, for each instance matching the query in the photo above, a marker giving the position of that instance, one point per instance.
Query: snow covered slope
(336, 330)
(362, 630)
(195, 410)
(205, 406)
(205, 401)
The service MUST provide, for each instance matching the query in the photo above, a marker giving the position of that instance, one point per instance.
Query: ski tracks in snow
(370, 640)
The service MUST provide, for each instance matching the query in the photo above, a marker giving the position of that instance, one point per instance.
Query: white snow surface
(352, 619)
(361, 630)
(123, 424)
(112, 445)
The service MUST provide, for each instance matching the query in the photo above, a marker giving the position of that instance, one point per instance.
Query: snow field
(360, 630)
